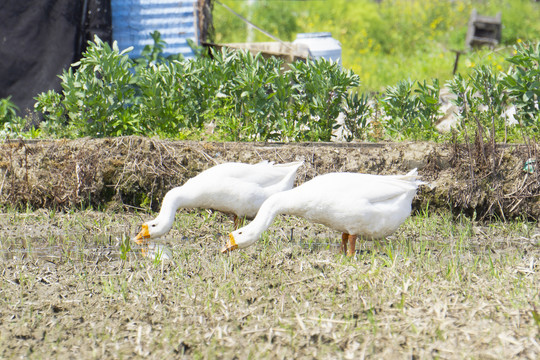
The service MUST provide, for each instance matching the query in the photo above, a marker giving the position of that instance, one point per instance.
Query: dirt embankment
(135, 171)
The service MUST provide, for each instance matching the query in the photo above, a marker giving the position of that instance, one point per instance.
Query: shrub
(411, 113)
(487, 94)
(246, 96)
(8, 110)
(319, 91)
(357, 113)
(14, 126)
(523, 84)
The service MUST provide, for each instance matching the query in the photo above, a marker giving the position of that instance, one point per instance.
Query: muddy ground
(438, 288)
(443, 286)
(136, 172)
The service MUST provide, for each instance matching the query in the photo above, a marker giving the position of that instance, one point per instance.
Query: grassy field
(390, 40)
(441, 287)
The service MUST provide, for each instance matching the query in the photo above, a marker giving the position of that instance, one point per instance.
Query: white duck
(369, 206)
(235, 188)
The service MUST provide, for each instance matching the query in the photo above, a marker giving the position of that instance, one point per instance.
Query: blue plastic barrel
(134, 20)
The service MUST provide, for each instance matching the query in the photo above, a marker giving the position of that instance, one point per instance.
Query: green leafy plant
(13, 125)
(245, 96)
(100, 95)
(523, 83)
(427, 102)
(411, 113)
(8, 110)
(49, 104)
(319, 91)
(482, 99)
(357, 112)
(488, 99)
(153, 53)
(125, 247)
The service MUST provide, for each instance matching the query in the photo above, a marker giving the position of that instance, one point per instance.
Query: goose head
(240, 239)
(152, 229)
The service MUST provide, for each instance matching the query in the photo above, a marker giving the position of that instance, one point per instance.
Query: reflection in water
(109, 249)
(156, 251)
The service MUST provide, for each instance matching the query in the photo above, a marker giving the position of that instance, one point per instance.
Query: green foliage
(245, 96)
(14, 126)
(523, 83)
(100, 95)
(319, 90)
(488, 90)
(8, 110)
(390, 40)
(269, 103)
(411, 113)
(153, 54)
(357, 112)
(125, 248)
(489, 93)
(482, 99)
(49, 104)
(485, 96)
(251, 92)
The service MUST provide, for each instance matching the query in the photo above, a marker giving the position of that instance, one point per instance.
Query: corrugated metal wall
(134, 20)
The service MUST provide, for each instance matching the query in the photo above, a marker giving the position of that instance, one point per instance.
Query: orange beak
(143, 235)
(230, 246)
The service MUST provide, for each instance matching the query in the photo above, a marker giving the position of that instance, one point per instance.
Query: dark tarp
(41, 38)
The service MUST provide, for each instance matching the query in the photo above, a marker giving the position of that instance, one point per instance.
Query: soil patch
(137, 171)
(439, 287)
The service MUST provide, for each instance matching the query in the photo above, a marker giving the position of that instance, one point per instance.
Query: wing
(371, 188)
(264, 174)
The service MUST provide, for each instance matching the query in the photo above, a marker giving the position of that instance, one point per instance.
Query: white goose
(369, 206)
(235, 188)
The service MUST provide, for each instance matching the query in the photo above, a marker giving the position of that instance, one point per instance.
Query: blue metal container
(134, 20)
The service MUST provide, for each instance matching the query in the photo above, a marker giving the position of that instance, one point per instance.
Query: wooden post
(205, 22)
(456, 61)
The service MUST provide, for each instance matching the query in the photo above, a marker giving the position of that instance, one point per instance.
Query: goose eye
(153, 225)
(240, 233)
